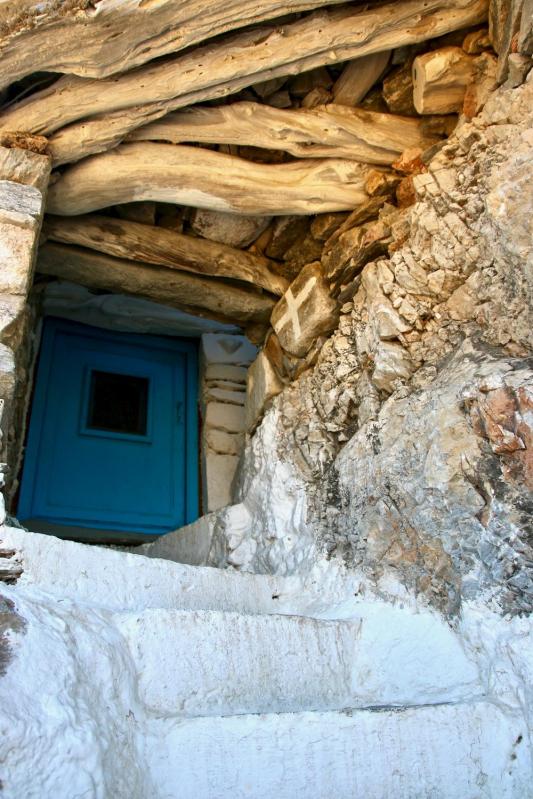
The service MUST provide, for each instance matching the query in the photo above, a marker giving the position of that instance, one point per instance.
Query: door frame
(52, 327)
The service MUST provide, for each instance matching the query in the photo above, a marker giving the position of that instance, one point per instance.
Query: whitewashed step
(445, 752)
(117, 580)
(208, 663)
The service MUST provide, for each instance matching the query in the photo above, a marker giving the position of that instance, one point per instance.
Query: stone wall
(24, 178)
(224, 360)
(404, 450)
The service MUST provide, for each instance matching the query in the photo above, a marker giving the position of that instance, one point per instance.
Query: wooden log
(206, 179)
(100, 39)
(358, 77)
(440, 79)
(235, 62)
(327, 132)
(201, 296)
(162, 247)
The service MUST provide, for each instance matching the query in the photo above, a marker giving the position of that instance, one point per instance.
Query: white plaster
(220, 471)
(227, 349)
(446, 752)
(118, 650)
(232, 663)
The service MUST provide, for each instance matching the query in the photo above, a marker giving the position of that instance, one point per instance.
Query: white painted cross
(293, 304)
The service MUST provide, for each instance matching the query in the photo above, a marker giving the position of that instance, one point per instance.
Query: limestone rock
(285, 232)
(391, 363)
(354, 249)
(504, 27)
(380, 184)
(324, 225)
(223, 416)
(305, 312)
(237, 231)
(223, 443)
(220, 470)
(263, 385)
(365, 212)
(226, 372)
(24, 166)
(484, 82)
(302, 252)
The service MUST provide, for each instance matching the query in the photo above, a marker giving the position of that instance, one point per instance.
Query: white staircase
(161, 680)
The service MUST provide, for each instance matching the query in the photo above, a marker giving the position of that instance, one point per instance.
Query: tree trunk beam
(113, 37)
(358, 77)
(206, 179)
(162, 247)
(326, 132)
(440, 79)
(200, 296)
(227, 66)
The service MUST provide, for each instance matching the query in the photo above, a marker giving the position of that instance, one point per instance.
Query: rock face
(404, 451)
(23, 183)
(305, 311)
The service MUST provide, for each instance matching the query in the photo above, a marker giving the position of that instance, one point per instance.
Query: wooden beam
(201, 296)
(230, 64)
(358, 77)
(206, 179)
(330, 131)
(100, 39)
(162, 247)
(440, 79)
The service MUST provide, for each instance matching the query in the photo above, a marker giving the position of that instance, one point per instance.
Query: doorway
(112, 451)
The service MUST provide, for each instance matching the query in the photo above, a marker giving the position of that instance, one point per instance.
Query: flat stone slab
(438, 752)
(209, 663)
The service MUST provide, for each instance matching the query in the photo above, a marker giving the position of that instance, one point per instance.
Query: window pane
(118, 403)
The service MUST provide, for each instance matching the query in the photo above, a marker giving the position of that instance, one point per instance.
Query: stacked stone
(224, 363)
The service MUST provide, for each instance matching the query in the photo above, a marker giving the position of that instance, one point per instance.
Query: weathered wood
(162, 247)
(440, 79)
(206, 179)
(100, 39)
(231, 64)
(327, 132)
(201, 296)
(358, 77)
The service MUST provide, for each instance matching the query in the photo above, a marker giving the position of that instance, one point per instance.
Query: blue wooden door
(113, 432)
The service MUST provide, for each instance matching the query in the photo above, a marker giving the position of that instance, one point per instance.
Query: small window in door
(118, 403)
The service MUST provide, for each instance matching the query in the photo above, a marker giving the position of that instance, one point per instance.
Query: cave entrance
(112, 450)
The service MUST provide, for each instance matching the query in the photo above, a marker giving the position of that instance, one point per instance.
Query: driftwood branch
(358, 77)
(162, 247)
(200, 296)
(206, 179)
(326, 132)
(228, 65)
(440, 80)
(110, 37)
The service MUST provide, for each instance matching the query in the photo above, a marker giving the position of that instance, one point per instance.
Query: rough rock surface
(427, 378)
